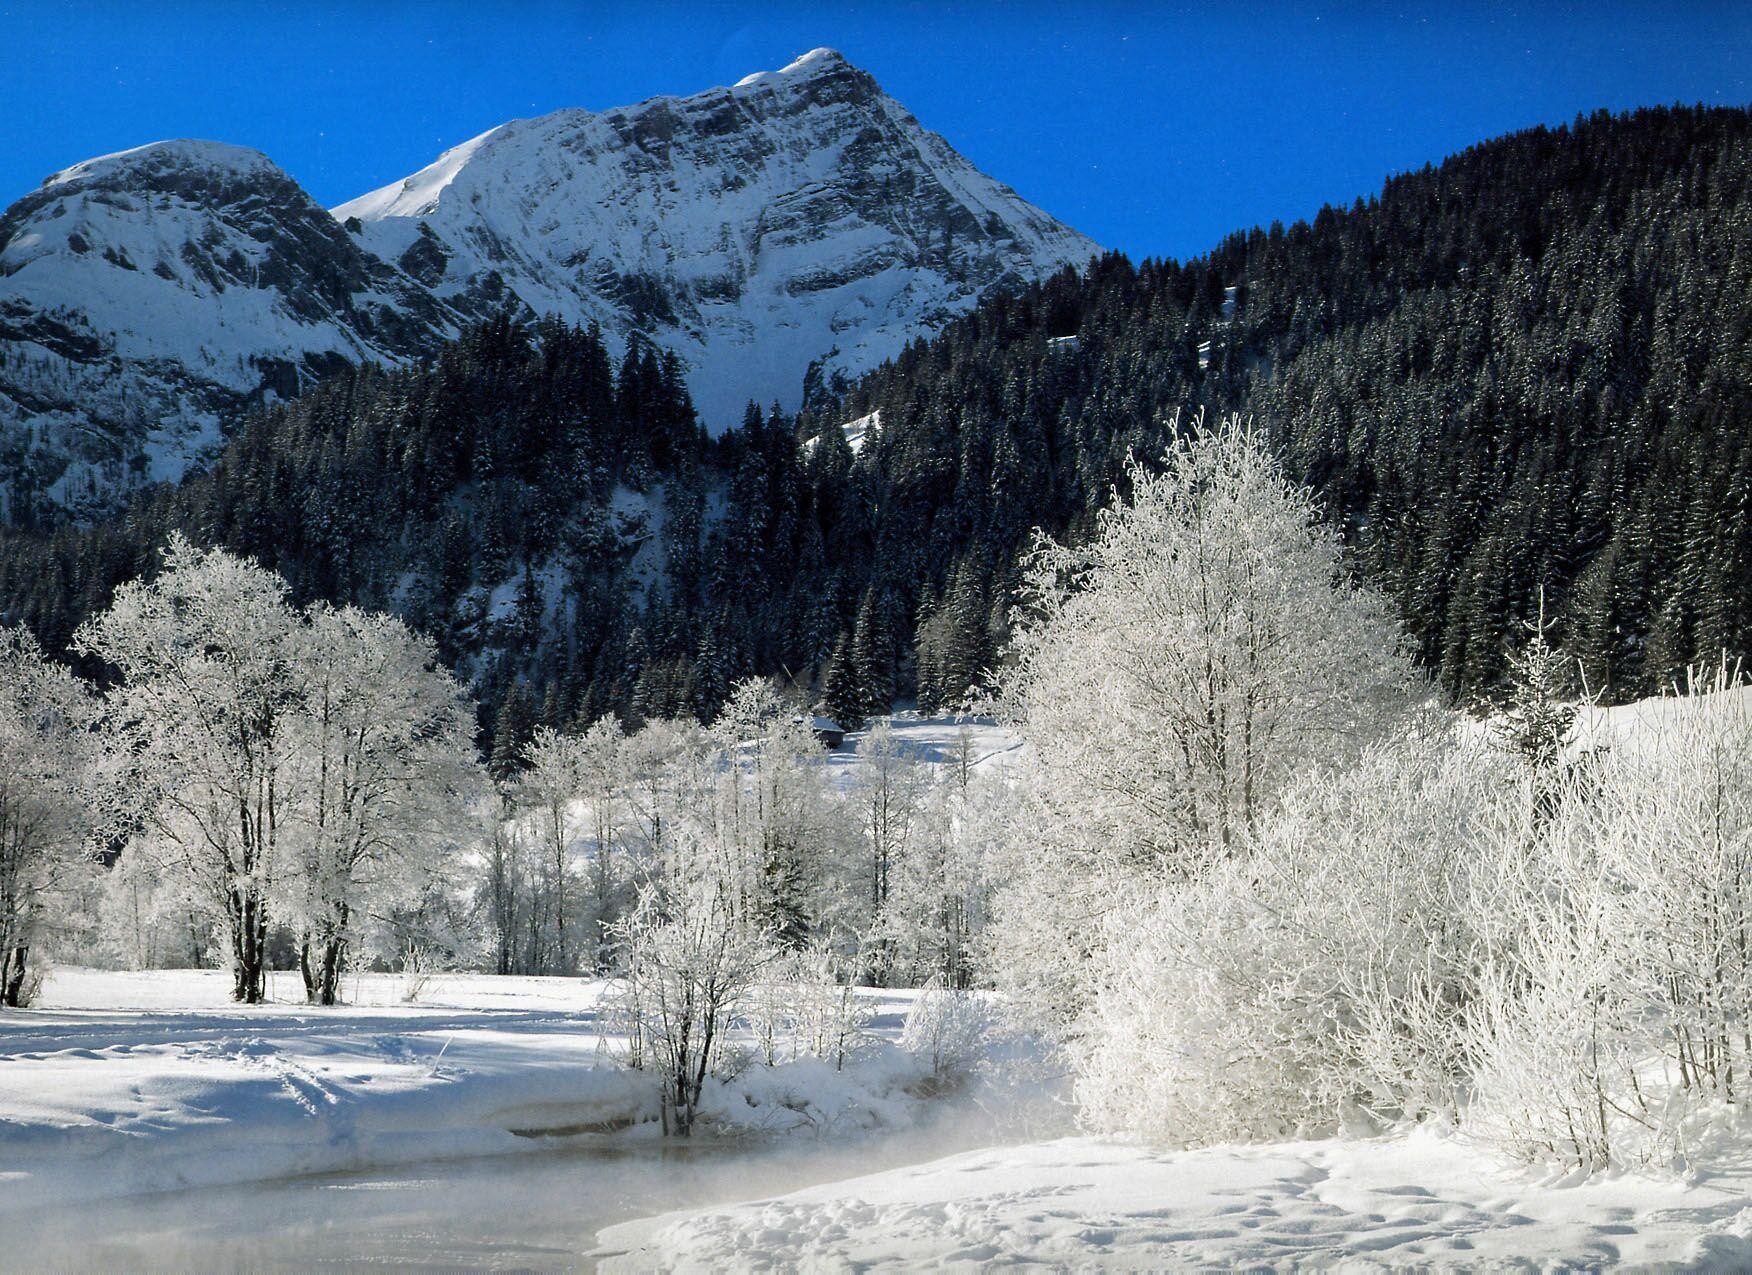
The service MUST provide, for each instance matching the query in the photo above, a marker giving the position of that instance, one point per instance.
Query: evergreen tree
(513, 728)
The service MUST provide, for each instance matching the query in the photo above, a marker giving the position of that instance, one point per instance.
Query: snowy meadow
(1316, 968)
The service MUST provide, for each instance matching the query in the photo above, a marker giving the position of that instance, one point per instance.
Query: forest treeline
(1525, 369)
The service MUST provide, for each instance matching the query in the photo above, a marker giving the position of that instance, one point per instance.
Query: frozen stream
(538, 1211)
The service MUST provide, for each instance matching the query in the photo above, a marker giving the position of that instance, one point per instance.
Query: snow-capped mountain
(799, 223)
(799, 215)
(147, 297)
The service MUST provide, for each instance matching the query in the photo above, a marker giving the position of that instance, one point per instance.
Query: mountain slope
(799, 220)
(147, 297)
(799, 215)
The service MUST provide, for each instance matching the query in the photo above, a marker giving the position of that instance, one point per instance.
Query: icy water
(537, 1211)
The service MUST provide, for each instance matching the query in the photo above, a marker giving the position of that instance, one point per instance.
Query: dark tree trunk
(321, 959)
(12, 977)
(249, 947)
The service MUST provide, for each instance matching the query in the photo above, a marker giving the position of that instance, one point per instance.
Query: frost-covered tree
(204, 731)
(949, 1031)
(1174, 672)
(503, 894)
(940, 896)
(387, 774)
(665, 774)
(45, 770)
(1539, 710)
(1173, 676)
(601, 777)
(276, 765)
(690, 961)
(548, 794)
(766, 808)
(888, 796)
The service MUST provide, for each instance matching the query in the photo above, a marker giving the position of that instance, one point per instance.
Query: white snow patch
(938, 742)
(129, 1082)
(859, 431)
(1075, 1204)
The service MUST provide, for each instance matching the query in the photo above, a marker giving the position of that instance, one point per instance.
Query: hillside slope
(1529, 366)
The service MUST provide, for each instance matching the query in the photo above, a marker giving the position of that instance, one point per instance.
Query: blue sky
(1154, 128)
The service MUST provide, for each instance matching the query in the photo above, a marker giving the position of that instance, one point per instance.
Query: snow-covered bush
(1173, 676)
(1618, 998)
(1314, 983)
(949, 1030)
(807, 1006)
(1253, 894)
(1559, 957)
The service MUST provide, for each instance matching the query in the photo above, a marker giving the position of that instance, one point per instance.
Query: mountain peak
(174, 153)
(821, 61)
(775, 237)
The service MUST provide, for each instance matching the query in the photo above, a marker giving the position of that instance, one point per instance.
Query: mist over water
(539, 1210)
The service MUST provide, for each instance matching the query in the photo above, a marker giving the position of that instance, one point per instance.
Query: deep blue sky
(1155, 129)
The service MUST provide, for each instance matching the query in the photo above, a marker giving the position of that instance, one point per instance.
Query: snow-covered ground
(1643, 723)
(1078, 1203)
(1419, 1198)
(125, 1082)
(942, 743)
(120, 1083)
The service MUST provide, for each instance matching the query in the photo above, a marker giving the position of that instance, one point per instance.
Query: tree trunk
(12, 977)
(249, 947)
(322, 978)
(307, 970)
(328, 990)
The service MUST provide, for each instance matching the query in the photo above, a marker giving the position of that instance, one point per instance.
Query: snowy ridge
(176, 153)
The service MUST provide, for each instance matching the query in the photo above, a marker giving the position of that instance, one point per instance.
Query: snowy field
(177, 1089)
(1078, 1203)
(942, 743)
(127, 1082)
(487, 1125)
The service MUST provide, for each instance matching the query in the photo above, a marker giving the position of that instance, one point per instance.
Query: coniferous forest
(1523, 370)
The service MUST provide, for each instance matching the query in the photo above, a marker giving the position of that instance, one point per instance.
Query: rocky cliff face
(795, 226)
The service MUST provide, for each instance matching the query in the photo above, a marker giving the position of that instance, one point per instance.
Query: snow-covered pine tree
(1540, 707)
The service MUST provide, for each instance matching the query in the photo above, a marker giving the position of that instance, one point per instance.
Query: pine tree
(842, 693)
(872, 655)
(513, 727)
(1540, 709)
